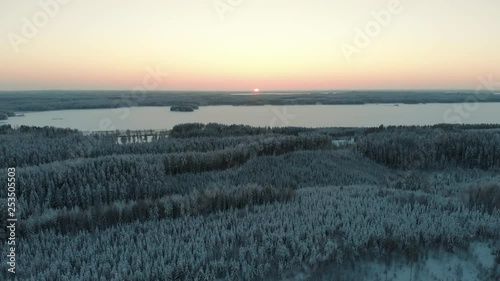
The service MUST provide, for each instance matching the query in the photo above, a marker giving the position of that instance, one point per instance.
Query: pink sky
(271, 45)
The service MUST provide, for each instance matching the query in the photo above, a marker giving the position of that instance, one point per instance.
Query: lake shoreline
(64, 100)
(20, 113)
(316, 116)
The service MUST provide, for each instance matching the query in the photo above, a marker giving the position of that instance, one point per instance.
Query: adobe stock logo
(282, 116)
(363, 37)
(460, 112)
(224, 6)
(31, 27)
(151, 81)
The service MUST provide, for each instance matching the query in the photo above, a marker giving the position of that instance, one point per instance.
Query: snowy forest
(59, 100)
(218, 202)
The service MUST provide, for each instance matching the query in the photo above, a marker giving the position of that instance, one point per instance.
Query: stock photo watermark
(281, 118)
(31, 27)
(151, 81)
(462, 111)
(222, 7)
(363, 36)
(11, 220)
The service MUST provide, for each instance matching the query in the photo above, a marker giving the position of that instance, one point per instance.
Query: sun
(256, 90)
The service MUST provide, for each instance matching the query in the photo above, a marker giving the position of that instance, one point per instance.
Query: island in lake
(4, 115)
(184, 108)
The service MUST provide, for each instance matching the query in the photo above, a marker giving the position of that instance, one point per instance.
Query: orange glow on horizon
(277, 45)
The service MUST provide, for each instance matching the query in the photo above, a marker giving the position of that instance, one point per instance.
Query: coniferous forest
(217, 202)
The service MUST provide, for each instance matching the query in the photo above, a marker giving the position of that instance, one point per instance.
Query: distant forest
(59, 100)
(218, 202)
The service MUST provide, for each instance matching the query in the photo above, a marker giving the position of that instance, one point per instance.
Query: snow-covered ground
(475, 264)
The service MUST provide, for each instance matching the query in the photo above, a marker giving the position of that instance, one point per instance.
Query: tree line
(31, 146)
(331, 226)
(59, 100)
(228, 202)
(200, 202)
(426, 148)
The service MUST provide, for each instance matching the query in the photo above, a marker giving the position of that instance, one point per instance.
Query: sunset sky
(266, 44)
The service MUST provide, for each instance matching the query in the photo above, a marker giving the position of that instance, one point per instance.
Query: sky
(212, 45)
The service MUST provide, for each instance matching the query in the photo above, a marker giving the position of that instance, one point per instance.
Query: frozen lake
(368, 115)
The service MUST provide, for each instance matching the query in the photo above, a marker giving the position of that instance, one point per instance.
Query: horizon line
(305, 91)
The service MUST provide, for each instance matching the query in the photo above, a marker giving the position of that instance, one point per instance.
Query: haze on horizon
(270, 45)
